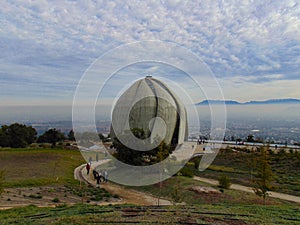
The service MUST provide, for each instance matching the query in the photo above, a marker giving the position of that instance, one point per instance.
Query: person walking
(95, 174)
(98, 177)
(88, 167)
(101, 175)
(105, 174)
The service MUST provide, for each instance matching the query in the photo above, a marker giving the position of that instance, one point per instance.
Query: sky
(251, 47)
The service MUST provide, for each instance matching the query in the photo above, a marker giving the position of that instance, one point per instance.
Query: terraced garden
(128, 214)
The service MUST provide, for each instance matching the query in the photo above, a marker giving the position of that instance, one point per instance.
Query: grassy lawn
(27, 167)
(125, 214)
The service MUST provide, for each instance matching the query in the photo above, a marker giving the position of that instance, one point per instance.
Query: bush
(55, 200)
(196, 162)
(186, 171)
(35, 196)
(176, 197)
(224, 182)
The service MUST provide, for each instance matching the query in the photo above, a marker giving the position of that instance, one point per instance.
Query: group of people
(99, 176)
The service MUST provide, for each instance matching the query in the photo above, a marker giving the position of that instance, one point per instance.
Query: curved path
(127, 195)
(239, 187)
(135, 197)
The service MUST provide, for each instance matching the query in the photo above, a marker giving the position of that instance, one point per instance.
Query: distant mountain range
(270, 101)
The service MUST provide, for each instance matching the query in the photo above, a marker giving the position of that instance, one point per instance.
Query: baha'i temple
(150, 105)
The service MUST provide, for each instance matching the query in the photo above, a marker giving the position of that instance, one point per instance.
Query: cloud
(50, 43)
(272, 89)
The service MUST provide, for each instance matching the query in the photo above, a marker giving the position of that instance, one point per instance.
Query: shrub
(176, 197)
(55, 200)
(196, 162)
(35, 196)
(224, 182)
(186, 171)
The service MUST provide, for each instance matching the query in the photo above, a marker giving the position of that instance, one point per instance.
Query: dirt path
(134, 197)
(238, 187)
(127, 195)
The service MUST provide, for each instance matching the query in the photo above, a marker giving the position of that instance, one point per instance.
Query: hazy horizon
(280, 122)
(25, 114)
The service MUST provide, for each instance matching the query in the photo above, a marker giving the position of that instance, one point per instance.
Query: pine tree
(264, 175)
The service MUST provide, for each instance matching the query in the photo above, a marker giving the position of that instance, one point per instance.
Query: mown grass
(36, 167)
(125, 214)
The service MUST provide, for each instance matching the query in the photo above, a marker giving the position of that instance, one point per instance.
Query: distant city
(279, 123)
(262, 130)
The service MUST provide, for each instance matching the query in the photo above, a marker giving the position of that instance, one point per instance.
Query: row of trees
(19, 136)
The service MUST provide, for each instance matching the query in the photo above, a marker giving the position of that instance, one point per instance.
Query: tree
(250, 138)
(264, 175)
(127, 155)
(51, 136)
(140, 158)
(4, 138)
(71, 136)
(238, 140)
(17, 135)
(224, 181)
(163, 151)
(176, 195)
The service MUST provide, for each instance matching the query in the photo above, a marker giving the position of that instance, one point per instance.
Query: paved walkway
(80, 173)
(128, 196)
(239, 187)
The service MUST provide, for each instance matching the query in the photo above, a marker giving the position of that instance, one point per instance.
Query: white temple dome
(146, 105)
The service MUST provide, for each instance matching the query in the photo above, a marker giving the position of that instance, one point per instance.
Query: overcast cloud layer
(252, 47)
